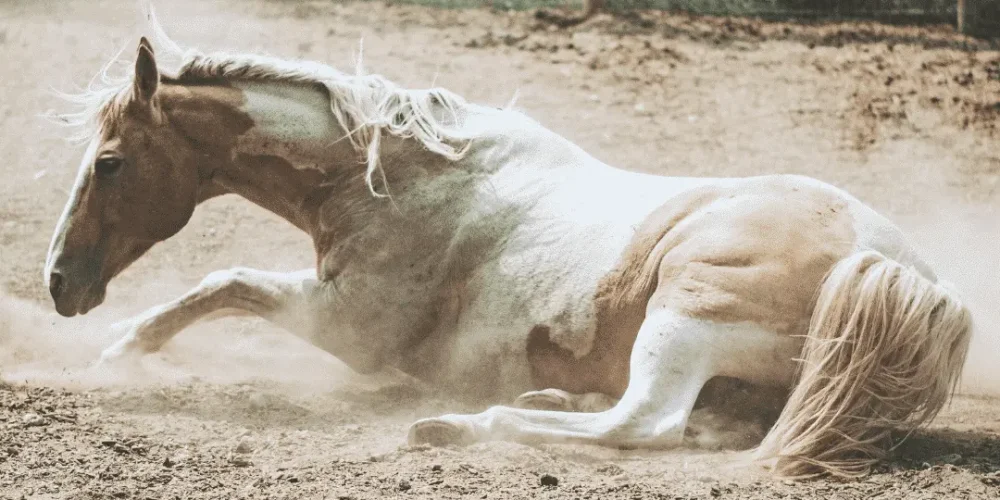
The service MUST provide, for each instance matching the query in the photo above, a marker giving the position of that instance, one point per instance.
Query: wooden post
(979, 18)
(961, 16)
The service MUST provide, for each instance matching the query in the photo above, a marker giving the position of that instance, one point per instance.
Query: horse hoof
(548, 400)
(439, 432)
(118, 358)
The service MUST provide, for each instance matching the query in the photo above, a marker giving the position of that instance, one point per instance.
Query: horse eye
(108, 167)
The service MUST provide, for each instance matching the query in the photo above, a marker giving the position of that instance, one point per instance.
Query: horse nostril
(55, 285)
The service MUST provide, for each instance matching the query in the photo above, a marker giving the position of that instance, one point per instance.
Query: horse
(472, 248)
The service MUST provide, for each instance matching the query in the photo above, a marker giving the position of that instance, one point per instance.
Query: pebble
(548, 480)
(243, 447)
(32, 420)
(404, 485)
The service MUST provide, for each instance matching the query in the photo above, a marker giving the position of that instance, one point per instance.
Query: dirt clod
(548, 480)
(32, 420)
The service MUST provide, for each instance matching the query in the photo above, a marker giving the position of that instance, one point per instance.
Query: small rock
(611, 470)
(32, 420)
(241, 461)
(243, 447)
(715, 491)
(404, 485)
(548, 480)
(435, 468)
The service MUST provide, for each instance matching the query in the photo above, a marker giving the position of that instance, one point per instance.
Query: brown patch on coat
(169, 146)
(210, 116)
(755, 250)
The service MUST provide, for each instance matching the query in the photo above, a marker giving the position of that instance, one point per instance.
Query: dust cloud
(38, 346)
(962, 244)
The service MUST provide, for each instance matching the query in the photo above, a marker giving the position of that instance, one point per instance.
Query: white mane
(365, 105)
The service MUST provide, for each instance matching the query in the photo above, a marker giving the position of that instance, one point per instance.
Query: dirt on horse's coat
(477, 250)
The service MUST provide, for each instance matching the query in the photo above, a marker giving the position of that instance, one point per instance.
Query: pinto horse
(474, 249)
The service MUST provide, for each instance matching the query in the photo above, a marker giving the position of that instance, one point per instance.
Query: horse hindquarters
(884, 350)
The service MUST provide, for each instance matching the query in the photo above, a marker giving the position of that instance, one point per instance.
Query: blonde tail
(884, 351)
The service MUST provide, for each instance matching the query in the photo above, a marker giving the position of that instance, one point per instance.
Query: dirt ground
(905, 118)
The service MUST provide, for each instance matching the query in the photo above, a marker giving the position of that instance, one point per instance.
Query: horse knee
(238, 280)
(221, 278)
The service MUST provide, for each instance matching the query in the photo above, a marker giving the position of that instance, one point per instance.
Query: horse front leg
(289, 300)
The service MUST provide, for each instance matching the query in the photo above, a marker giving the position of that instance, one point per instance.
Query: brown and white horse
(476, 250)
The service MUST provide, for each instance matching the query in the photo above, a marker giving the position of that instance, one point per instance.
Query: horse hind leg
(673, 357)
(560, 400)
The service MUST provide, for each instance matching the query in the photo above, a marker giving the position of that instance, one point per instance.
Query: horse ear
(144, 42)
(147, 77)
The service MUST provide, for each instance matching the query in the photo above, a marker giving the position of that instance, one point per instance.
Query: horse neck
(285, 155)
(294, 160)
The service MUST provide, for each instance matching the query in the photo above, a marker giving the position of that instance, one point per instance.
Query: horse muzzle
(72, 297)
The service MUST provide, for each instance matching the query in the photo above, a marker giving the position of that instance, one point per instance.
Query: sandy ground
(905, 118)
